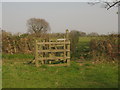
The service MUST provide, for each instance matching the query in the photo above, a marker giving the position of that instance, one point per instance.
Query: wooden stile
(52, 51)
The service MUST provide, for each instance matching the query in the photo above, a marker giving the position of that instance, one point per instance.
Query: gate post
(68, 54)
(36, 54)
(67, 34)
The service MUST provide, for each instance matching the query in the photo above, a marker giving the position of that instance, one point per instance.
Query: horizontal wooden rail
(46, 58)
(57, 64)
(39, 43)
(61, 50)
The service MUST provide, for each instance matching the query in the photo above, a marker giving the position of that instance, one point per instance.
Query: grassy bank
(18, 74)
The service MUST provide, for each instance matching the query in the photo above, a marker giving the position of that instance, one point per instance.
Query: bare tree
(107, 4)
(112, 4)
(37, 26)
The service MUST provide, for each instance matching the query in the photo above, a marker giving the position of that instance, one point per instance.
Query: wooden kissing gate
(54, 52)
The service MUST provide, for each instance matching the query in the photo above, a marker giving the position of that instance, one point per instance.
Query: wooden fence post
(67, 34)
(68, 46)
(64, 50)
(68, 54)
(36, 53)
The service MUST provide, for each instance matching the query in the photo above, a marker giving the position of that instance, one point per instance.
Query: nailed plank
(51, 50)
(57, 64)
(46, 58)
(53, 42)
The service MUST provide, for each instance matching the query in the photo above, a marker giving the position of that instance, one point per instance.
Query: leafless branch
(110, 6)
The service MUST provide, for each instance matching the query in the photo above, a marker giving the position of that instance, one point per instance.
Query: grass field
(83, 48)
(18, 74)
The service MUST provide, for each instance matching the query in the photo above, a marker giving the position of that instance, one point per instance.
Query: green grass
(83, 48)
(17, 56)
(17, 74)
(84, 43)
(85, 39)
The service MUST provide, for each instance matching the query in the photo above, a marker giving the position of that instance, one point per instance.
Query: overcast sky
(61, 16)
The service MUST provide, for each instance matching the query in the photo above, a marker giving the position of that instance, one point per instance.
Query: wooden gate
(54, 52)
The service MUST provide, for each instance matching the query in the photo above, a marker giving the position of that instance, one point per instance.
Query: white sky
(55, 0)
(61, 16)
(0, 14)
